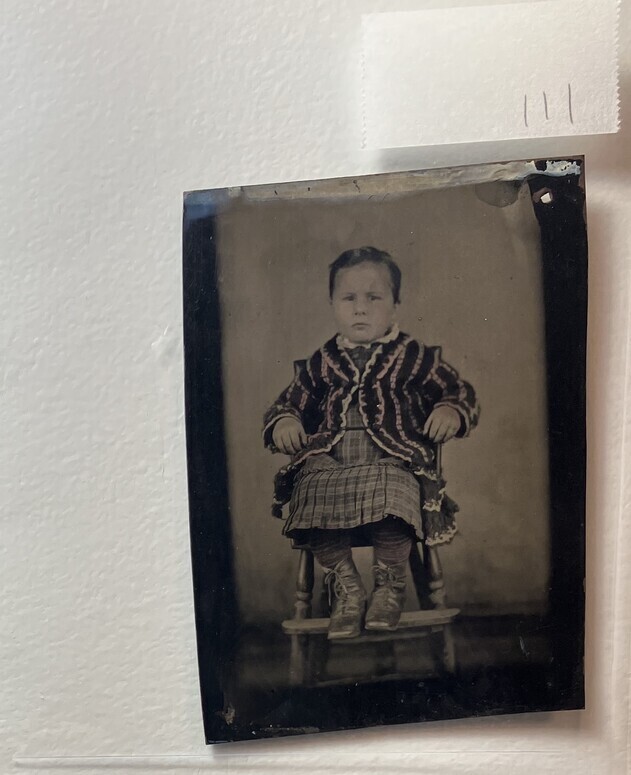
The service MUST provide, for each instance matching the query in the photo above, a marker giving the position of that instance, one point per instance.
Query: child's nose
(360, 307)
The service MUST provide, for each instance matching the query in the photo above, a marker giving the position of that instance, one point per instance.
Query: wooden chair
(432, 618)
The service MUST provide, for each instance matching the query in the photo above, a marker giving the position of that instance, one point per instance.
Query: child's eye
(348, 297)
(374, 298)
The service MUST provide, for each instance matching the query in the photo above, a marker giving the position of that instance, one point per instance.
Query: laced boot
(388, 597)
(347, 599)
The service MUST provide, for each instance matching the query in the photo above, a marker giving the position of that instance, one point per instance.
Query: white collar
(389, 336)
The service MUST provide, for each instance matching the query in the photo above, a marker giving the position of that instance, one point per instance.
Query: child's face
(363, 303)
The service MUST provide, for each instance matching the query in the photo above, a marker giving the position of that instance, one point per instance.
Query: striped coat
(402, 383)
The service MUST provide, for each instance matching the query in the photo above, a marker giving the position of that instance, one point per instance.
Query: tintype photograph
(385, 417)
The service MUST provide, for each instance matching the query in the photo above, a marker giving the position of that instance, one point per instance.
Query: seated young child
(361, 422)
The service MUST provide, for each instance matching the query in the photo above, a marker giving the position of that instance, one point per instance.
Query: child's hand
(442, 424)
(289, 436)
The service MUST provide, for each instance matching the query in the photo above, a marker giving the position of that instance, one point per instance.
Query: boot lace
(338, 591)
(389, 586)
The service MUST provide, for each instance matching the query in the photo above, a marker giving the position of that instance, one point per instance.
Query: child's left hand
(442, 424)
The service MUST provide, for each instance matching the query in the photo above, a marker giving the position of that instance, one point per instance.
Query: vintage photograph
(385, 415)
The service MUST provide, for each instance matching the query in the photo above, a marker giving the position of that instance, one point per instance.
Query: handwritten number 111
(544, 103)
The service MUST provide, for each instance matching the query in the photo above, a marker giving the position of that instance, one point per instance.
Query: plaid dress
(356, 483)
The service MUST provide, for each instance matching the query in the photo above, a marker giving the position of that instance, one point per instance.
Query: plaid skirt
(354, 485)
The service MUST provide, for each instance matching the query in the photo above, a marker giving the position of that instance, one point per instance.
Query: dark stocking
(392, 541)
(330, 546)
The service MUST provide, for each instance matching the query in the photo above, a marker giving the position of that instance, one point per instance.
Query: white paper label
(455, 75)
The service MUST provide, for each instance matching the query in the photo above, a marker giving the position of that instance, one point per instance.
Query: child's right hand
(289, 436)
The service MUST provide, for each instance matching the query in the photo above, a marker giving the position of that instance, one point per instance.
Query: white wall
(109, 111)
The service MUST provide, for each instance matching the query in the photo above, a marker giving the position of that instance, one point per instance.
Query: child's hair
(359, 256)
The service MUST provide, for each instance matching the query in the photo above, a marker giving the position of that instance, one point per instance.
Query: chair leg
(299, 661)
(419, 577)
(449, 650)
(434, 572)
(304, 586)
